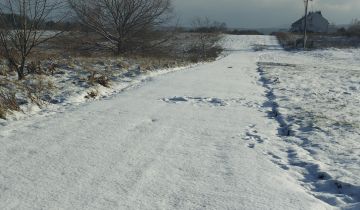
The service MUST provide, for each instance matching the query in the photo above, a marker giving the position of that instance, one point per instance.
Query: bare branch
(23, 27)
(122, 22)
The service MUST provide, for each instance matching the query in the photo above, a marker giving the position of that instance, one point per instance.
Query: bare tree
(208, 34)
(23, 27)
(122, 22)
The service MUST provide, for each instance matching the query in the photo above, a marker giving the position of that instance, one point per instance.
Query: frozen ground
(213, 136)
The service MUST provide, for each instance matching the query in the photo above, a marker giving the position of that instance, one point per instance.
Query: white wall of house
(316, 23)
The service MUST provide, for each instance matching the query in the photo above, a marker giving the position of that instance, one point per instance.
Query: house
(315, 23)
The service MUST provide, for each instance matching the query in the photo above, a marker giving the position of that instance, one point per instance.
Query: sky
(264, 13)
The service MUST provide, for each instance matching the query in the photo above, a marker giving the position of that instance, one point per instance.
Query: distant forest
(15, 21)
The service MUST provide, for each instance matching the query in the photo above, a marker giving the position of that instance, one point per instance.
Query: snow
(72, 86)
(314, 96)
(208, 137)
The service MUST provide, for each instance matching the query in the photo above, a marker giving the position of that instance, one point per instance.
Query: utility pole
(305, 24)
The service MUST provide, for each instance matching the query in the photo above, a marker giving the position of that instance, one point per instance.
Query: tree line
(125, 24)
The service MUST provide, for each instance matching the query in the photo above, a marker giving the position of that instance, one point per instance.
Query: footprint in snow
(196, 100)
(175, 99)
(278, 161)
(253, 136)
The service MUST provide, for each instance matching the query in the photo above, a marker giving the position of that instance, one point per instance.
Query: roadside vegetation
(54, 51)
(244, 32)
(341, 38)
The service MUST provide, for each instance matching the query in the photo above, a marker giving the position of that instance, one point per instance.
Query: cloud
(264, 13)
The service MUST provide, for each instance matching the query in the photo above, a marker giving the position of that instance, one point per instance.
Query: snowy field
(315, 97)
(261, 128)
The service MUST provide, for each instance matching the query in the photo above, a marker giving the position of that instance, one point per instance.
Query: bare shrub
(23, 27)
(39, 68)
(103, 81)
(284, 38)
(354, 29)
(156, 61)
(92, 94)
(52, 68)
(8, 103)
(38, 89)
(97, 77)
(205, 45)
(3, 70)
(34, 67)
(288, 40)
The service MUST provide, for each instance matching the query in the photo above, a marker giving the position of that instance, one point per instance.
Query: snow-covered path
(185, 140)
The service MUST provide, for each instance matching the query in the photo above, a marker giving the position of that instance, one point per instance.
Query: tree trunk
(21, 69)
(21, 75)
(120, 47)
(203, 49)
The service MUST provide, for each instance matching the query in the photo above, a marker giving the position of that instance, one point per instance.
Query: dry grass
(286, 39)
(150, 63)
(101, 79)
(36, 88)
(77, 44)
(8, 103)
(354, 29)
(89, 63)
(318, 41)
(92, 94)
(195, 56)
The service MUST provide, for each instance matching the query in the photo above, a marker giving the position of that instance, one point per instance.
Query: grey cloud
(264, 13)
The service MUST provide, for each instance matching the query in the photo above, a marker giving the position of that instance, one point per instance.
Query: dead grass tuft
(92, 94)
(97, 77)
(287, 40)
(8, 103)
(38, 89)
